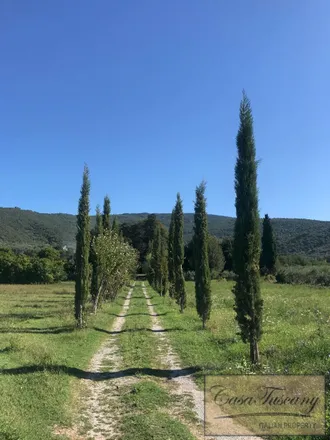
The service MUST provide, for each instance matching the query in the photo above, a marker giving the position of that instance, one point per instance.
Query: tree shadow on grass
(95, 376)
(40, 331)
(25, 316)
(135, 330)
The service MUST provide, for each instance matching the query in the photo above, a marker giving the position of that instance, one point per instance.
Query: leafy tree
(117, 262)
(202, 269)
(248, 302)
(216, 257)
(268, 248)
(106, 214)
(82, 251)
(178, 255)
(171, 265)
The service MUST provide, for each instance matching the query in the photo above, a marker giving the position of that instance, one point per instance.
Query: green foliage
(201, 246)
(95, 282)
(157, 269)
(139, 235)
(227, 248)
(268, 255)
(312, 275)
(115, 225)
(248, 302)
(106, 213)
(117, 262)
(43, 267)
(82, 251)
(170, 261)
(164, 260)
(178, 255)
(216, 257)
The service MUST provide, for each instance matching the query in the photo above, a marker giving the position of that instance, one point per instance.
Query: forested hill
(25, 229)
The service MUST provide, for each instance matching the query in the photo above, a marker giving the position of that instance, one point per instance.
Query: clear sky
(147, 93)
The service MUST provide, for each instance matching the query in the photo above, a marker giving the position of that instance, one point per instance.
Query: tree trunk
(181, 305)
(254, 351)
(80, 317)
(96, 299)
(204, 322)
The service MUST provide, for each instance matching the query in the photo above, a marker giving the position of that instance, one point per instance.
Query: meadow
(296, 333)
(43, 356)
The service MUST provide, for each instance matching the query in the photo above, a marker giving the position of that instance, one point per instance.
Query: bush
(313, 275)
(228, 275)
(189, 275)
(45, 267)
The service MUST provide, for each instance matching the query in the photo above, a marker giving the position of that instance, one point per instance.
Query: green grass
(136, 339)
(148, 403)
(296, 337)
(41, 354)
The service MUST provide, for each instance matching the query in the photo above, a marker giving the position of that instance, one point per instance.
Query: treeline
(43, 266)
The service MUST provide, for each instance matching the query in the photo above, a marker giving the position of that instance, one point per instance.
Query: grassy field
(296, 335)
(43, 356)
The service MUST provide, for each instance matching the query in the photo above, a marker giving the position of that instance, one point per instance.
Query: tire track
(101, 411)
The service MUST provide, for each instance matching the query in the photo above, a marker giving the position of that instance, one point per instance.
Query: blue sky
(147, 94)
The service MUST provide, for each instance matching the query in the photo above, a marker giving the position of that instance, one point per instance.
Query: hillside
(25, 229)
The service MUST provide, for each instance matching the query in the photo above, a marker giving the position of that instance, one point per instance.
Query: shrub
(313, 275)
(229, 275)
(189, 275)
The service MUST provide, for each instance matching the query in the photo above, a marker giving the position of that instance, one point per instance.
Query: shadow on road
(107, 375)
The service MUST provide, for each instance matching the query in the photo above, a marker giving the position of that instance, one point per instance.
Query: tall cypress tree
(170, 258)
(246, 252)
(82, 251)
(202, 269)
(178, 255)
(94, 260)
(115, 225)
(164, 257)
(106, 214)
(268, 248)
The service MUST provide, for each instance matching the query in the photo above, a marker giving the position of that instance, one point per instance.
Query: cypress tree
(170, 261)
(178, 255)
(156, 259)
(202, 269)
(82, 250)
(98, 222)
(164, 257)
(98, 230)
(268, 248)
(106, 214)
(246, 251)
(115, 225)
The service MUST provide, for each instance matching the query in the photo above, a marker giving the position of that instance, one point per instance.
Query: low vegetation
(43, 356)
(296, 337)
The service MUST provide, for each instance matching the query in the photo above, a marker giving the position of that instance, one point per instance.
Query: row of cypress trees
(88, 268)
(247, 256)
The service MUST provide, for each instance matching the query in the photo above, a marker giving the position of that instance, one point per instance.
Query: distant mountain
(23, 229)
